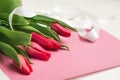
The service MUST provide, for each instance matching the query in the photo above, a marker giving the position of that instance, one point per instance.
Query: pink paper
(83, 58)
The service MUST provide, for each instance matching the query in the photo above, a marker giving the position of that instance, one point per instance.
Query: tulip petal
(29, 66)
(38, 47)
(42, 41)
(38, 54)
(57, 45)
(25, 65)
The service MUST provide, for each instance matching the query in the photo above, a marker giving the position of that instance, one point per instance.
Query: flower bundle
(30, 36)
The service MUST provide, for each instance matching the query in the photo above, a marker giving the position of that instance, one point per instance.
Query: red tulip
(36, 51)
(56, 45)
(42, 41)
(47, 43)
(61, 30)
(26, 67)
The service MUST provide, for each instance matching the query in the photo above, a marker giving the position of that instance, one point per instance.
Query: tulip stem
(65, 47)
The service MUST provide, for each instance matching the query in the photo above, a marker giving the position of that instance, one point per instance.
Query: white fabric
(79, 19)
(3, 76)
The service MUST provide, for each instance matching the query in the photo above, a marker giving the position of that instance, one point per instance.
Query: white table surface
(108, 13)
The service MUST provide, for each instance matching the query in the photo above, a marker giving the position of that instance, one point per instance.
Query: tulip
(42, 41)
(56, 45)
(47, 43)
(61, 30)
(35, 50)
(25, 65)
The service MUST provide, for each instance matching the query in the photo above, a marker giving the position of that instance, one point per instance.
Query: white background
(108, 13)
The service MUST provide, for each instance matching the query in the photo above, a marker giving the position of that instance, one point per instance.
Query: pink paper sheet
(83, 58)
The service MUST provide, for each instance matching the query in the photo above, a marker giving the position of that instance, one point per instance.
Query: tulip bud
(58, 45)
(47, 43)
(42, 41)
(61, 30)
(37, 51)
(25, 65)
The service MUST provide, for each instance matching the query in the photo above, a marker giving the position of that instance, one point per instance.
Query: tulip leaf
(45, 30)
(3, 23)
(24, 54)
(27, 29)
(8, 6)
(9, 51)
(43, 18)
(14, 38)
(66, 25)
(56, 35)
(48, 21)
(17, 20)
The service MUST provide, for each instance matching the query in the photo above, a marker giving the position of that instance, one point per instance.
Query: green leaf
(8, 6)
(17, 20)
(10, 52)
(24, 54)
(48, 21)
(4, 23)
(45, 30)
(66, 25)
(14, 37)
(56, 35)
(43, 18)
(27, 29)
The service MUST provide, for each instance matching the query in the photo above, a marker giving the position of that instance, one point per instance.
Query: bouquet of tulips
(30, 36)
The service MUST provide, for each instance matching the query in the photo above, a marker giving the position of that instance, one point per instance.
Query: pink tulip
(26, 67)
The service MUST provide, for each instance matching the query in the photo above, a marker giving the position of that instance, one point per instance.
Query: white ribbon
(17, 10)
(86, 24)
(20, 11)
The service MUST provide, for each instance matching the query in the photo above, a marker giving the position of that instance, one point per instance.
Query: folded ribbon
(86, 23)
